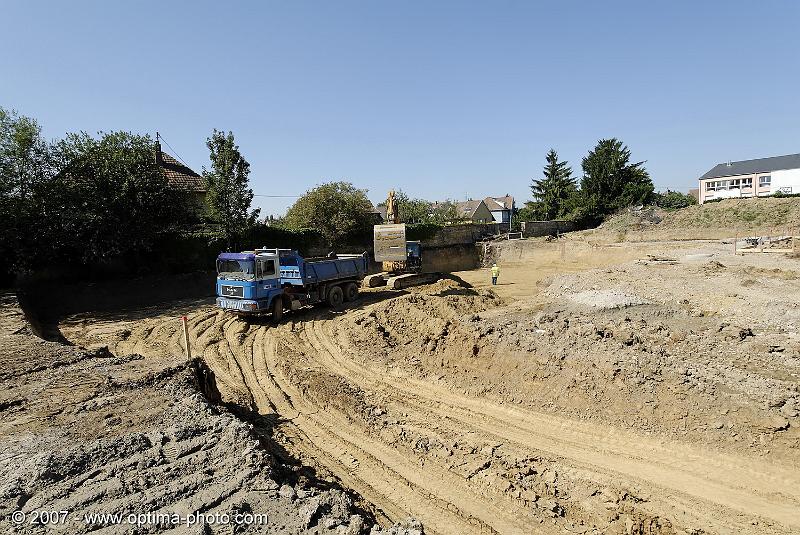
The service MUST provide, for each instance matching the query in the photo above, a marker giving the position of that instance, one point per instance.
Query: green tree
(337, 210)
(610, 181)
(24, 164)
(229, 195)
(553, 192)
(107, 198)
(532, 211)
(24, 155)
(445, 212)
(674, 200)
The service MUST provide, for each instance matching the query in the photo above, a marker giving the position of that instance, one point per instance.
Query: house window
(720, 184)
(764, 181)
(734, 183)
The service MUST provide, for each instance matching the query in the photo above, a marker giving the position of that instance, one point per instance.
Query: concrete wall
(461, 234)
(450, 258)
(453, 248)
(533, 229)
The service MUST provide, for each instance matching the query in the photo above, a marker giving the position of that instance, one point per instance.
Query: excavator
(401, 260)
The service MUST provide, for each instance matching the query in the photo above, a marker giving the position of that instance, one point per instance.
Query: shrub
(674, 200)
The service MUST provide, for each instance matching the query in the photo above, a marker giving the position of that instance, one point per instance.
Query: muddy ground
(626, 388)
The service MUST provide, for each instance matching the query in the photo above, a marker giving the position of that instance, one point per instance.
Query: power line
(159, 136)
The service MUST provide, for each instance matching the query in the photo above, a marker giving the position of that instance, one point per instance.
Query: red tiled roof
(179, 176)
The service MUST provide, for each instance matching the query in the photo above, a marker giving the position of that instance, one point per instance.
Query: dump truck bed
(327, 269)
(300, 271)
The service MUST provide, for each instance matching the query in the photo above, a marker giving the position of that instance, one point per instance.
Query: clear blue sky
(440, 99)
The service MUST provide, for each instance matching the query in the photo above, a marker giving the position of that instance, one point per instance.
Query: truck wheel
(277, 310)
(335, 296)
(351, 291)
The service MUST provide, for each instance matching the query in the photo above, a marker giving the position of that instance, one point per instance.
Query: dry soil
(619, 388)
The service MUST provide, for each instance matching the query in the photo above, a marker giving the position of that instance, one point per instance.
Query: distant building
(502, 208)
(475, 211)
(378, 214)
(751, 178)
(181, 178)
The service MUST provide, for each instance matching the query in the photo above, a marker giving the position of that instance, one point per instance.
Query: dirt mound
(412, 327)
(660, 369)
(634, 219)
(766, 216)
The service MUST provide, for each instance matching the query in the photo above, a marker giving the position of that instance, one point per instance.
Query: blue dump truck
(274, 280)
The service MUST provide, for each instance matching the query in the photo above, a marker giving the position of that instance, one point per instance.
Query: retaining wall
(533, 229)
(461, 234)
(458, 257)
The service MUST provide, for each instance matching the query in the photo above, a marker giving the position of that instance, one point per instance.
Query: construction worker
(495, 273)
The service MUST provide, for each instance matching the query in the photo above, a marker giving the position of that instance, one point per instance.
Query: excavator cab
(413, 257)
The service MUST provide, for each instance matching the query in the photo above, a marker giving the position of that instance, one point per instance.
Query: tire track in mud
(246, 365)
(722, 481)
(377, 471)
(501, 503)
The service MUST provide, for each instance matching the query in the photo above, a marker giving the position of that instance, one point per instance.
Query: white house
(751, 178)
(502, 208)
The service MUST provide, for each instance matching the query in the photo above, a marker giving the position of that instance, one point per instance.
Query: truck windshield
(241, 270)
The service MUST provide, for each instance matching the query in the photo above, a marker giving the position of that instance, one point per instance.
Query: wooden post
(794, 242)
(185, 322)
(735, 239)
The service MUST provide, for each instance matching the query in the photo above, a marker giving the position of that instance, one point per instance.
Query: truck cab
(248, 281)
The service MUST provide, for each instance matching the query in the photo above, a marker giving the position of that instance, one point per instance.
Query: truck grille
(232, 291)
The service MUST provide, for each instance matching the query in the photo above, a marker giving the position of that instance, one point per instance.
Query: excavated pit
(671, 408)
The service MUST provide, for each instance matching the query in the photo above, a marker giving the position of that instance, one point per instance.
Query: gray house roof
(468, 208)
(749, 167)
(496, 204)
